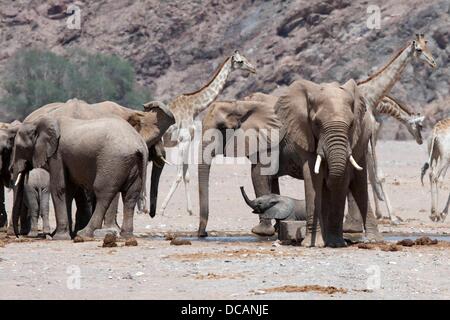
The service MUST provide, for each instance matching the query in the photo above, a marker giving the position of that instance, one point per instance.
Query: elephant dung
(292, 231)
(110, 240)
(132, 242)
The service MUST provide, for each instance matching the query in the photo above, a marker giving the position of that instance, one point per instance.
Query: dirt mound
(180, 242)
(389, 247)
(306, 288)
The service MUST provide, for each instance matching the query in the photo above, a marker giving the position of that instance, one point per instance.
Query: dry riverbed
(242, 266)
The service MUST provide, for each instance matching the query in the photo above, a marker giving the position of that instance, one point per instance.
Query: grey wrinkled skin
(279, 208)
(151, 125)
(36, 199)
(82, 154)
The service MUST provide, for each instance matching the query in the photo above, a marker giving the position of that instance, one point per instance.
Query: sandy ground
(250, 268)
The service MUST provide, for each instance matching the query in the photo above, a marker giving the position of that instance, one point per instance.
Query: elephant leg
(104, 192)
(313, 196)
(334, 227)
(44, 208)
(275, 185)
(187, 180)
(359, 192)
(111, 215)
(104, 200)
(62, 211)
(203, 192)
(85, 206)
(31, 196)
(3, 213)
(130, 199)
(353, 220)
(262, 186)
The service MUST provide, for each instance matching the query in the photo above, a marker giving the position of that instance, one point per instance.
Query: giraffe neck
(376, 86)
(392, 109)
(204, 97)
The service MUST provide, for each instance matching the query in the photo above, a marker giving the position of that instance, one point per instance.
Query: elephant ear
(292, 110)
(358, 108)
(281, 211)
(46, 141)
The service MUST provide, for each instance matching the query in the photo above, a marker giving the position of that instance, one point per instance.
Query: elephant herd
(92, 153)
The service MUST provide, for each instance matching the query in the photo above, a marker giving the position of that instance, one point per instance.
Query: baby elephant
(274, 206)
(36, 198)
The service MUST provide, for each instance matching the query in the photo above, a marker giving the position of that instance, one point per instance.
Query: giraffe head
(421, 50)
(238, 61)
(415, 127)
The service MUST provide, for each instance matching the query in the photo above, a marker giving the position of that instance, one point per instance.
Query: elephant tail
(143, 160)
(247, 200)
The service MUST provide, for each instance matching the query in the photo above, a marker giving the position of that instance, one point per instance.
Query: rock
(406, 243)
(442, 38)
(110, 240)
(155, 62)
(57, 11)
(132, 242)
(180, 242)
(9, 12)
(2, 244)
(69, 36)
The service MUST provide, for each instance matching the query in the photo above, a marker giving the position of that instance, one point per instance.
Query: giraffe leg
(434, 195)
(187, 180)
(445, 211)
(183, 147)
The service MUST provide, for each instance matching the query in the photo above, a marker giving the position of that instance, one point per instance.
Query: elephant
(150, 124)
(82, 154)
(274, 206)
(7, 134)
(325, 121)
(299, 138)
(249, 116)
(36, 200)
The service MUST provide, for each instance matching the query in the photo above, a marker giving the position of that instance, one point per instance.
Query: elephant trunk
(156, 174)
(336, 148)
(247, 200)
(18, 202)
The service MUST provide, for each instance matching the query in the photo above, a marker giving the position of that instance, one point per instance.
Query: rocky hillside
(176, 45)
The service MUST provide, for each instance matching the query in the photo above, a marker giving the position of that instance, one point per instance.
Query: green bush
(35, 77)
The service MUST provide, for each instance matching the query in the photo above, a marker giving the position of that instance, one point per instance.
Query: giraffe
(439, 160)
(185, 108)
(374, 88)
(389, 107)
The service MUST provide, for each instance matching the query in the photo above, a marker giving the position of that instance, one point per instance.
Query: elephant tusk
(353, 162)
(165, 161)
(18, 179)
(317, 165)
